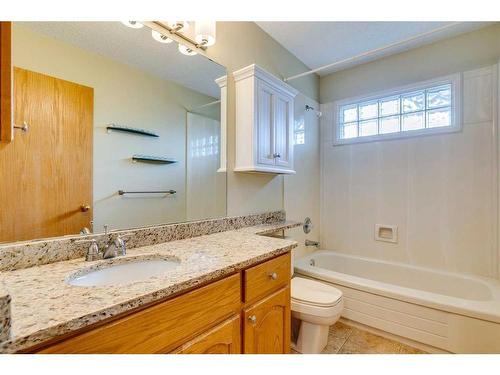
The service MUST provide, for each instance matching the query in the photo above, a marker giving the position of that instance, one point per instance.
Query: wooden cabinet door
(265, 121)
(223, 339)
(283, 130)
(160, 328)
(267, 325)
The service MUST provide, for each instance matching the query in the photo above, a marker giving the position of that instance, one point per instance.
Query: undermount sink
(126, 272)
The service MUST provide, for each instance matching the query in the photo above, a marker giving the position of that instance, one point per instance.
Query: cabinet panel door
(267, 325)
(160, 328)
(283, 130)
(223, 339)
(265, 127)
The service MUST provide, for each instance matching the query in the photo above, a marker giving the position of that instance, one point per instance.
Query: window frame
(456, 109)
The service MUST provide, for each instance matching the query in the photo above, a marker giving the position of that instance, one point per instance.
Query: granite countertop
(43, 305)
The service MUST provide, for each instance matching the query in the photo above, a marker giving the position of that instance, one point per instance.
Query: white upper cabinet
(264, 122)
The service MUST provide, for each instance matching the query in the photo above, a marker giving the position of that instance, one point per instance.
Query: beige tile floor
(344, 339)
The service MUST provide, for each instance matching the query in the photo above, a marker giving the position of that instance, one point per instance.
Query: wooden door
(223, 339)
(46, 173)
(267, 325)
(265, 129)
(283, 130)
(5, 82)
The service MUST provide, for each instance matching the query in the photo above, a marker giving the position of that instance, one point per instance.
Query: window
(299, 132)
(425, 108)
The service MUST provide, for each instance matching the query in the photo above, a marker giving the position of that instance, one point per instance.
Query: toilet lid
(313, 292)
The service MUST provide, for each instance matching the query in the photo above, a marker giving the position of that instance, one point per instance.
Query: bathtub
(442, 310)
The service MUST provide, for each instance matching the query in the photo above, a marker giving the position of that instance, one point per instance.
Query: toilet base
(312, 338)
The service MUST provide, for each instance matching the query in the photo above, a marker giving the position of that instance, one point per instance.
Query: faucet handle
(93, 251)
(120, 244)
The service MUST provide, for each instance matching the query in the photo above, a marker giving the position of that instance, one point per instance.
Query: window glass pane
(389, 125)
(369, 127)
(413, 102)
(413, 121)
(299, 131)
(299, 138)
(349, 113)
(389, 106)
(399, 112)
(439, 96)
(439, 117)
(349, 130)
(368, 110)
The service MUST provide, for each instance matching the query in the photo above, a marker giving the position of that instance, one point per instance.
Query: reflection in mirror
(124, 131)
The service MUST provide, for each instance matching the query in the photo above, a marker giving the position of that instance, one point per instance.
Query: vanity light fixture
(133, 24)
(178, 26)
(159, 37)
(192, 37)
(205, 33)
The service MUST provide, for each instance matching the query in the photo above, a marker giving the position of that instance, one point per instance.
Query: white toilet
(317, 306)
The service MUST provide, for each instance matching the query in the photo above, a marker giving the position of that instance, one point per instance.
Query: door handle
(25, 127)
(84, 207)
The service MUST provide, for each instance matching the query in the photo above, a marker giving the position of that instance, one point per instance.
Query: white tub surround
(453, 312)
(441, 190)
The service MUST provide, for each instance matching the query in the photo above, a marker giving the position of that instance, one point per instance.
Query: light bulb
(159, 37)
(185, 50)
(205, 33)
(180, 26)
(133, 24)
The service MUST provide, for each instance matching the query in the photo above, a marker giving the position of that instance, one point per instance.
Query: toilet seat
(318, 306)
(314, 293)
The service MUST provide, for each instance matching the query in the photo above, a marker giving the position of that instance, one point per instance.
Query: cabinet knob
(276, 156)
(252, 319)
(273, 275)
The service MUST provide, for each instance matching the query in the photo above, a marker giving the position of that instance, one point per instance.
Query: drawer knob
(252, 319)
(273, 275)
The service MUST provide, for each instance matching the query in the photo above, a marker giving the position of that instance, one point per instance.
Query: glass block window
(417, 110)
(299, 132)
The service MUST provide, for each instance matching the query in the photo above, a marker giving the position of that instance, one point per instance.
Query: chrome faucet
(312, 243)
(113, 249)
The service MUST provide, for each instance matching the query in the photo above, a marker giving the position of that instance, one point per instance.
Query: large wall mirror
(114, 127)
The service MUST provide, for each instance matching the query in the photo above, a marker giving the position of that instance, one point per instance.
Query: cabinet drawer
(266, 277)
(162, 327)
(222, 339)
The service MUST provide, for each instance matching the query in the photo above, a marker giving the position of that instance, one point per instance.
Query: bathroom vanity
(253, 304)
(228, 293)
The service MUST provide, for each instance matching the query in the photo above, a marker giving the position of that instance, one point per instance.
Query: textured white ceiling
(137, 48)
(320, 43)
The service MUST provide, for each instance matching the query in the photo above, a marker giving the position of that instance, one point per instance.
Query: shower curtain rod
(205, 105)
(371, 52)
